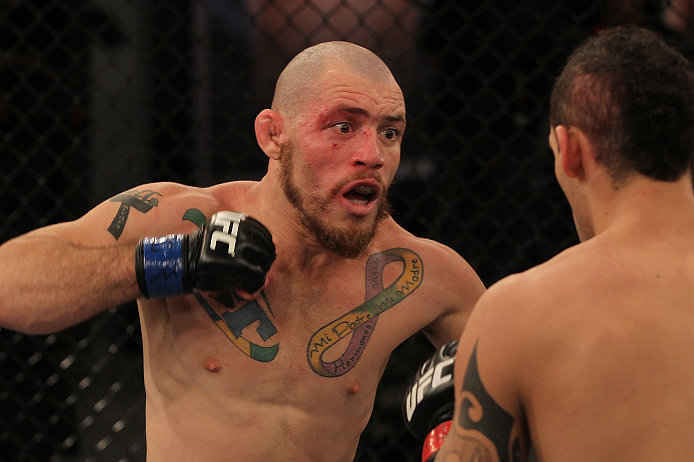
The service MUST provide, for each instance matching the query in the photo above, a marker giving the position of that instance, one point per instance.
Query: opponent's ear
(571, 144)
(268, 128)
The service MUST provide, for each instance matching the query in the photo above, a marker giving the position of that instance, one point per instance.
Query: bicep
(462, 288)
(148, 210)
(481, 425)
(489, 417)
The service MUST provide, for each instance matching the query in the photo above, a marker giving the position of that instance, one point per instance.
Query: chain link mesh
(99, 96)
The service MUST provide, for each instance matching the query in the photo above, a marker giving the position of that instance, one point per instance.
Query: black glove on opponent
(430, 401)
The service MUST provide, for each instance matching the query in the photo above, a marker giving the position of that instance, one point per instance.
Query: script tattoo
(479, 413)
(243, 313)
(361, 321)
(142, 201)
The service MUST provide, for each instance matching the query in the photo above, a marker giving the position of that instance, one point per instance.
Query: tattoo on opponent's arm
(142, 201)
(484, 428)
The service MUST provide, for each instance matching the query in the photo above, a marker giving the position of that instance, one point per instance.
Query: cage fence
(99, 96)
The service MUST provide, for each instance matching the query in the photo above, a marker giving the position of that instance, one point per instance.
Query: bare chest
(329, 324)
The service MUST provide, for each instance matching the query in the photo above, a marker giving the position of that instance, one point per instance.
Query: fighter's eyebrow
(352, 110)
(365, 113)
(395, 118)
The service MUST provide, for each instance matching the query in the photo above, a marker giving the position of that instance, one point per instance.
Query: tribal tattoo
(483, 421)
(142, 201)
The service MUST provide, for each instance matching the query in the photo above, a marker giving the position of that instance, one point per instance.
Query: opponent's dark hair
(633, 96)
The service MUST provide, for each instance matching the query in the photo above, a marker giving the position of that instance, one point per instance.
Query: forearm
(47, 284)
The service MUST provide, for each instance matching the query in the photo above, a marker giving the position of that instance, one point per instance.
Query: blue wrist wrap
(163, 265)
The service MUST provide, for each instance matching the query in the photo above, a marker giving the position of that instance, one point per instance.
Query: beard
(349, 241)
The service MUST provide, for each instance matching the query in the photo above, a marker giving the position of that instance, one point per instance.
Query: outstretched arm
(49, 282)
(57, 276)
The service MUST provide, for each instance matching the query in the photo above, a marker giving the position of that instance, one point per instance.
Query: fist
(430, 399)
(233, 251)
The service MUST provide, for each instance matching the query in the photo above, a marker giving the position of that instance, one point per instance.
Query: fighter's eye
(343, 127)
(391, 133)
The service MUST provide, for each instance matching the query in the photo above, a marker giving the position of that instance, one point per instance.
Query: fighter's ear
(268, 129)
(571, 144)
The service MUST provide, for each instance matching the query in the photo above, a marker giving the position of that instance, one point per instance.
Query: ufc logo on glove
(175, 264)
(229, 222)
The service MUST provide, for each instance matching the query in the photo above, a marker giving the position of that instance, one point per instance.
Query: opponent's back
(589, 356)
(611, 374)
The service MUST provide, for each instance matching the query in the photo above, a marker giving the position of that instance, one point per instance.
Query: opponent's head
(633, 97)
(338, 116)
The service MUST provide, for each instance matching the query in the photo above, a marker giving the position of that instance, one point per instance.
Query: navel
(212, 364)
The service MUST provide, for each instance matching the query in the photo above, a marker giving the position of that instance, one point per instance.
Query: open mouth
(361, 194)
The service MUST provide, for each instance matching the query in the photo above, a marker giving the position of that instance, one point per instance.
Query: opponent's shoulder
(550, 290)
(524, 290)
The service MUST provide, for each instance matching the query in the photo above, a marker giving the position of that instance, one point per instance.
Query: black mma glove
(430, 401)
(232, 251)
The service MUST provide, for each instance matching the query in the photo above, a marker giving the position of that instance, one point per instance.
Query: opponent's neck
(648, 206)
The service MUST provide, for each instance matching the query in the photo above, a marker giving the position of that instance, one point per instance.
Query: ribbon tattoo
(361, 321)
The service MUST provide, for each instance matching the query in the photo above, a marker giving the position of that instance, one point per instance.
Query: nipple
(212, 364)
(353, 387)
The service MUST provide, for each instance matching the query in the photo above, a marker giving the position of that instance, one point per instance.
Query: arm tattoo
(142, 201)
(480, 414)
(195, 216)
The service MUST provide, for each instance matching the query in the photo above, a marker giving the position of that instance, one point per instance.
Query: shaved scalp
(299, 77)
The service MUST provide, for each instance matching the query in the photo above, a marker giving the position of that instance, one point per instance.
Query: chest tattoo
(232, 324)
(354, 327)
(361, 321)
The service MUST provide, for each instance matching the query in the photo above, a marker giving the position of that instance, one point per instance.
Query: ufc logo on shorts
(229, 222)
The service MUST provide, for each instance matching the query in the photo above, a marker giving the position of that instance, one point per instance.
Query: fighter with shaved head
(269, 309)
